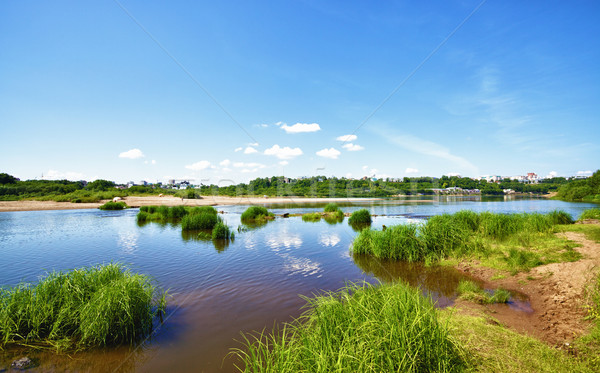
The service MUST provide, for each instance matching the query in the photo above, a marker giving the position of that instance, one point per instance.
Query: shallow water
(220, 291)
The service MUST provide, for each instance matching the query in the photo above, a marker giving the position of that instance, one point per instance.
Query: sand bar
(174, 201)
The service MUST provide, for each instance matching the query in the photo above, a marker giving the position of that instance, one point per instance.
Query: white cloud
(58, 175)
(238, 149)
(198, 166)
(552, 174)
(284, 163)
(153, 161)
(410, 170)
(584, 173)
(352, 147)
(132, 154)
(283, 153)
(225, 162)
(347, 138)
(301, 127)
(150, 162)
(365, 168)
(329, 153)
(374, 171)
(226, 169)
(255, 144)
(279, 123)
(250, 150)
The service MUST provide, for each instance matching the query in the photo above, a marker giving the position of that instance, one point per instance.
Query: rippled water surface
(220, 290)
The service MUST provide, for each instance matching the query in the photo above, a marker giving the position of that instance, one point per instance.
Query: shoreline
(134, 202)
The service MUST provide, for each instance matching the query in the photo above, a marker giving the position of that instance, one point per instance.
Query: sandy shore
(173, 201)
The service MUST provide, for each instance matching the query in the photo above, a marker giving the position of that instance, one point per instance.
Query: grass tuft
(93, 306)
(387, 328)
(222, 231)
(202, 220)
(590, 214)
(362, 216)
(256, 213)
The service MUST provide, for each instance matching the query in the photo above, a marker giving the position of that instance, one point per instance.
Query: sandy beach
(173, 201)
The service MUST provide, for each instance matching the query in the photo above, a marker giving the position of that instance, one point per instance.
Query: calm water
(220, 291)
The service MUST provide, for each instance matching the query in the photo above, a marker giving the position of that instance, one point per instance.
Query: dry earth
(556, 292)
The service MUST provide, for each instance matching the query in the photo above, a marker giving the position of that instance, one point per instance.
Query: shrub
(386, 328)
(199, 221)
(113, 206)
(221, 231)
(362, 216)
(94, 306)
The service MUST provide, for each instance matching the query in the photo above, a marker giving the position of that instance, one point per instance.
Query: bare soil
(556, 293)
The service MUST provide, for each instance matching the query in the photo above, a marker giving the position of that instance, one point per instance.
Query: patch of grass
(470, 291)
(113, 206)
(590, 214)
(386, 328)
(398, 242)
(93, 306)
(490, 347)
(591, 231)
(203, 220)
(256, 213)
(331, 207)
(561, 217)
(311, 217)
(222, 232)
(362, 216)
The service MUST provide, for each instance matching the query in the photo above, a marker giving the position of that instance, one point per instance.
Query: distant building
(532, 177)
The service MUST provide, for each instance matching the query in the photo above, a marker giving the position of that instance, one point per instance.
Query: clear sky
(233, 90)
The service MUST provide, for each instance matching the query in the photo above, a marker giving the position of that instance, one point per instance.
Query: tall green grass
(202, 220)
(362, 328)
(222, 232)
(362, 216)
(463, 233)
(256, 213)
(331, 207)
(92, 306)
(590, 214)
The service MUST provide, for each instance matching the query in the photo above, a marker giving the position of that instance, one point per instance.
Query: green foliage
(100, 185)
(582, 190)
(222, 231)
(590, 214)
(362, 216)
(398, 242)
(113, 206)
(312, 217)
(254, 213)
(93, 306)
(203, 210)
(386, 328)
(560, 217)
(177, 212)
(7, 179)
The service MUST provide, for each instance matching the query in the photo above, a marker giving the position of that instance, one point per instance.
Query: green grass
(312, 217)
(92, 306)
(331, 207)
(590, 214)
(512, 243)
(222, 231)
(197, 221)
(386, 328)
(113, 206)
(470, 291)
(256, 213)
(362, 216)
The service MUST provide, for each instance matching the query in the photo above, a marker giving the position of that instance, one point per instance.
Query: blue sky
(225, 92)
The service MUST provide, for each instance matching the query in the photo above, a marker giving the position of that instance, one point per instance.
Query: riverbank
(556, 292)
(134, 201)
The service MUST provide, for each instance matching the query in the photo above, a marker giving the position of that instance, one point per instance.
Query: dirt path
(555, 291)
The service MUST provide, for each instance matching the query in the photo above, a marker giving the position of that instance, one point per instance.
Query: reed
(256, 213)
(91, 306)
(385, 328)
(398, 242)
(222, 231)
(202, 220)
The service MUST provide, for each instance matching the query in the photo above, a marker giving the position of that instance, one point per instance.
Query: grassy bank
(515, 242)
(93, 306)
(389, 328)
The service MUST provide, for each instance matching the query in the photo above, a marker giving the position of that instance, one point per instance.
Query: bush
(221, 231)
(199, 221)
(362, 216)
(386, 328)
(94, 306)
(113, 206)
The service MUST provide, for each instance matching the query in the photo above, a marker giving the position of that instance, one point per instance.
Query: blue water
(220, 290)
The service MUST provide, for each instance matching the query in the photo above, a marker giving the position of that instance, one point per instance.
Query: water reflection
(439, 281)
(329, 239)
(128, 241)
(332, 220)
(357, 227)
